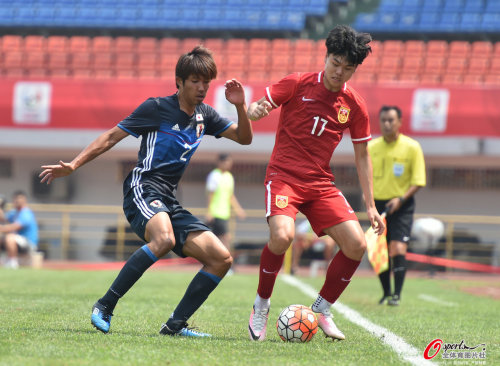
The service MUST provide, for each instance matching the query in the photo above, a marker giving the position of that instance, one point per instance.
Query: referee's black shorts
(400, 222)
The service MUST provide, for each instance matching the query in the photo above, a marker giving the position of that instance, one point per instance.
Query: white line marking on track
(436, 300)
(398, 344)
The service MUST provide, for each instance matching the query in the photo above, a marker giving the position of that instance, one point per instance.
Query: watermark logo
(455, 351)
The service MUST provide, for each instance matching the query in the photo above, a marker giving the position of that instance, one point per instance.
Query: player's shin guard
(197, 292)
(136, 265)
(270, 265)
(338, 276)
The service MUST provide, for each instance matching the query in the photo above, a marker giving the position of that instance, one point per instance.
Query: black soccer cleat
(101, 317)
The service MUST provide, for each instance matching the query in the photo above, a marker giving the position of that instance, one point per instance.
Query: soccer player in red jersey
(316, 109)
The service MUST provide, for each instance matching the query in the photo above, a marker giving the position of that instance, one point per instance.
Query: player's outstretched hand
(235, 93)
(52, 172)
(258, 110)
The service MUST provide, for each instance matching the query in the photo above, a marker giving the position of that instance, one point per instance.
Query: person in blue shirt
(171, 129)
(20, 230)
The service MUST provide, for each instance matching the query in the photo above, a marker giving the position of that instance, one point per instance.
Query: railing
(97, 233)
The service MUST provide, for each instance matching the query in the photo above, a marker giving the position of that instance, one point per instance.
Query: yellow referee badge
(343, 114)
(281, 201)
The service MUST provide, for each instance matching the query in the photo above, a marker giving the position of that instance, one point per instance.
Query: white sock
(321, 305)
(261, 303)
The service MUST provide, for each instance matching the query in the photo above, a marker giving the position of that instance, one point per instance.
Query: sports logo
(281, 201)
(200, 127)
(343, 114)
(199, 117)
(156, 203)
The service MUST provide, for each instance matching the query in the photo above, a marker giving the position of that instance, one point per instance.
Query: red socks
(338, 276)
(270, 265)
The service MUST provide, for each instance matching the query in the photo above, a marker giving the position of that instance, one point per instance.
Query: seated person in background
(305, 238)
(20, 230)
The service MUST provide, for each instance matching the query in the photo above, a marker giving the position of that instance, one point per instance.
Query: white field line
(398, 344)
(436, 300)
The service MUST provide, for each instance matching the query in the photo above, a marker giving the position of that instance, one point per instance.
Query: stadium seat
(124, 44)
(429, 6)
(459, 48)
(34, 43)
(79, 44)
(478, 66)
(235, 46)
(147, 61)
(57, 60)
(277, 75)
(434, 65)
(187, 44)
(104, 74)
(453, 5)
(12, 43)
(301, 64)
(492, 80)
(369, 65)
(167, 64)
(216, 45)
(280, 64)
(59, 74)
(495, 66)
(471, 22)
(257, 76)
(12, 60)
(456, 65)
(430, 79)
(125, 74)
(36, 73)
(389, 21)
(389, 64)
(34, 60)
(491, 22)
(408, 21)
(437, 48)
(258, 46)
(102, 44)
(280, 46)
(146, 44)
(476, 79)
(387, 78)
(102, 61)
(429, 21)
(124, 61)
(412, 65)
(169, 45)
(303, 46)
(82, 74)
(14, 73)
(80, 61)
(473, 6)
(414, 48)
(377, 48)
(147, 74)
(409, 78)
(449, 22)
(258, 62)
(363, 77)
(390, 5)
(393, 48)
(452, 79)
(481, 49)
(57, 44)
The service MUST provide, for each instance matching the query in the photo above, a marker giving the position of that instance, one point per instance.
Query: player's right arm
(97, 147)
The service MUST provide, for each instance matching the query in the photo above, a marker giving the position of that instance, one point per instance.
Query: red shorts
(323, 207)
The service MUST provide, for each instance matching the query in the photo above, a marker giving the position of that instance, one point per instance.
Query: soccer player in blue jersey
(171, 129)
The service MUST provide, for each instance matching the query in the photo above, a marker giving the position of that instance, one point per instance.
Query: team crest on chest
(343, 114)
(281, 201)
(200, 127)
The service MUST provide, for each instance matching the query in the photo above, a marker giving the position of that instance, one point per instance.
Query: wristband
(401, 200)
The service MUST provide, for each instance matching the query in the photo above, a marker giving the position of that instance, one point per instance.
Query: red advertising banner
(101, 104)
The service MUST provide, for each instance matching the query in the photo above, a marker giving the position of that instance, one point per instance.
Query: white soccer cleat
(257, 324)
(325, 322)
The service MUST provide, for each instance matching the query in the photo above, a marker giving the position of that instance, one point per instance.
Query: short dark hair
(197, 62)
(345, 41)
(387, 108)
(19, 193)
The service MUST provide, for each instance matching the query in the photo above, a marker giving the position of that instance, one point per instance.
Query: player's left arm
(242, 132)
(364, 169)
(10, 228)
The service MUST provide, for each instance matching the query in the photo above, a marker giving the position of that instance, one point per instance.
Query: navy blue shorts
(400, 222)
(139, 208)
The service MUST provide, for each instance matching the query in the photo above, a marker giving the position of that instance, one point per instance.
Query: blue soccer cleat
(181, 329)
(101, 317)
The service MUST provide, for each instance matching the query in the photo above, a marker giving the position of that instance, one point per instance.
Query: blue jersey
(29, 227)
(169, 139)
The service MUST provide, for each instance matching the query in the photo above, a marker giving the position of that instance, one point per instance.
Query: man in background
(221, 198)
(398, 173)
(20, 230)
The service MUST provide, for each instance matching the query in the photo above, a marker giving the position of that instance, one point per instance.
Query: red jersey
(311, 125)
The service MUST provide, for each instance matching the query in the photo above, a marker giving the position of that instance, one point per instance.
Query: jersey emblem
(200, 127)
(307, 99)
(176, 127)
(199, 117)
(343, 114)
(156, 203)
(281, 201)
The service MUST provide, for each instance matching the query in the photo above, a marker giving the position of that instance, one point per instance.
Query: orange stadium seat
(318, 63)
(259, 46)
(13, 60)
(34, 60)
(496, 49)
(495, 66)
(12, 43)
(79, 44)
(82, 74)
(414, 49)
(387, 78)
(258, 62)
(255, 75)
(412, 65)
(493, 80)
(81, 61)
(57, 60)
(36, 73)
(124, 44)
(125, 61)
(377, 49)
(393, 48)
(102, 61)
(452, 79)
(280, 46)
(57, 44)
(167, 65)
(60, 73)
(104, 74)
(276, 75)
(478, 66)
(102, 44)
(34, 43)
(389, 64)
(456, 65)
(433, 65)
(363, 77)
(236, 45)
(169, 45)
(473, 79)
(216, 45)
(147, 44)
(187, 44)
(481, 49)
(430, 79)
(437, 48)
(279, 64)
(14, 73)
(301, 63)
(409, 78)
(459, 48)
(125, 74)
(303, 47)
(147, 61)
(319, 49)
(147, 74)
(235, 62)
(369, 65)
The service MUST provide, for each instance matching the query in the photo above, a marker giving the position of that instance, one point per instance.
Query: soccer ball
(297, 323)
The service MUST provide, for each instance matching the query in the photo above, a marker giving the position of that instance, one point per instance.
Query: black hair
(387, 108)
(19, 193)
(345, 41)
(197, 62)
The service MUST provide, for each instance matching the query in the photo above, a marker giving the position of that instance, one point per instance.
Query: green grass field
(45, 320)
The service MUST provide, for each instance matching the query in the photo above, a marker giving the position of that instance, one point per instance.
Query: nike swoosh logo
(252, 334)
(351, 211)
(307, 99)
(343, 279)
(266, 271)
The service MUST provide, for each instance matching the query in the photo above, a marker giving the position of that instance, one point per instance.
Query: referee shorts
(400, 222)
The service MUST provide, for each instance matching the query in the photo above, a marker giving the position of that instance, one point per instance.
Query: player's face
(389, 123)
(337, 71)
(194, 89)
